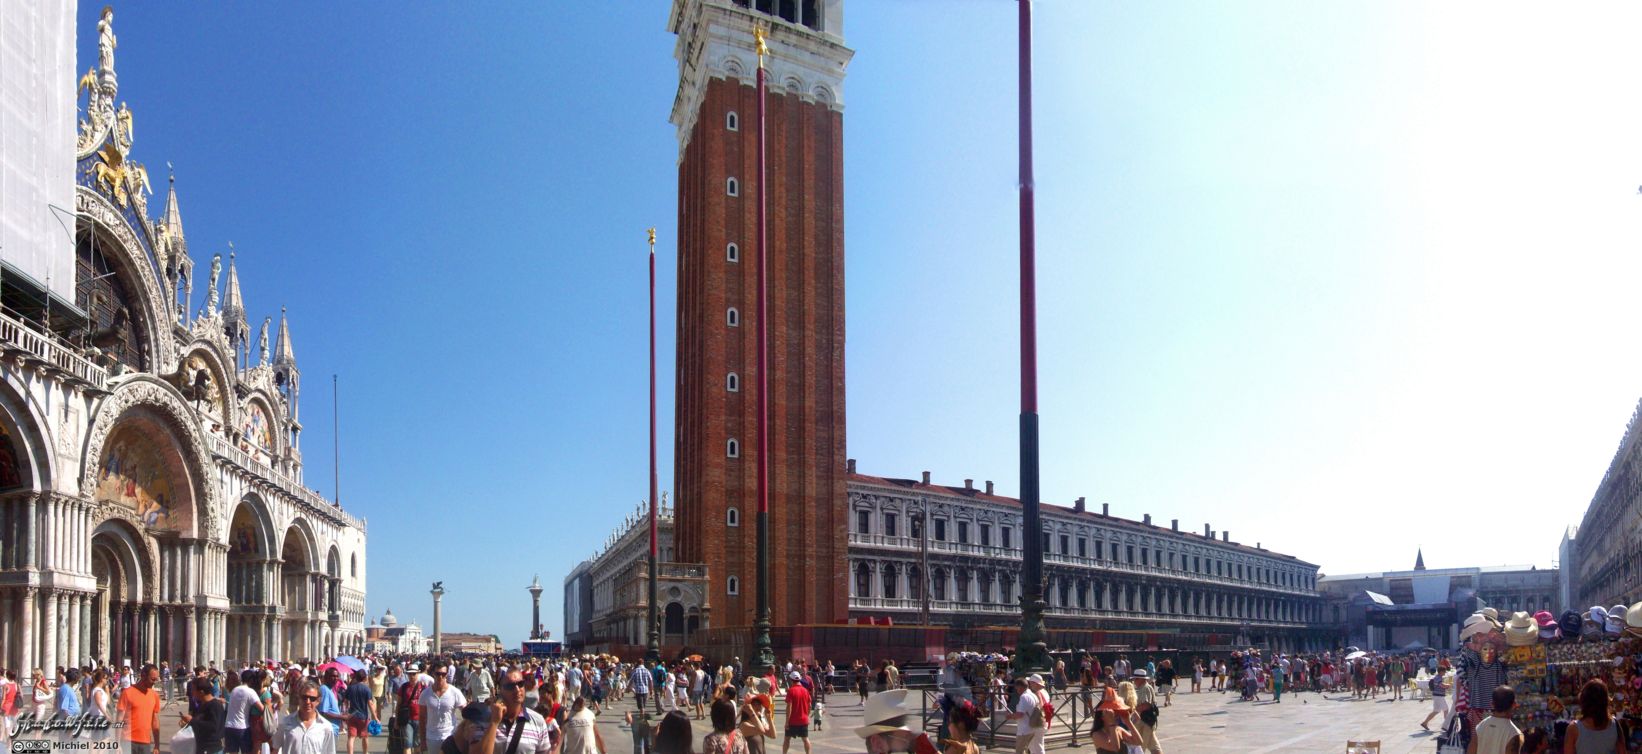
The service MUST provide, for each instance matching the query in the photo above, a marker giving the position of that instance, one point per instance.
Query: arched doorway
(672, 623)
(297, 598)
(250, 619)
(118, 612)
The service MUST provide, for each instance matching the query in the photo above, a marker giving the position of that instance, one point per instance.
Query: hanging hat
(1597, 614)
(1571, 624)
(1615, 624)
(1492, 613)
(1633, 616)
(885, 712)
(1548, 628)
(1521, 630)
(1474, 625)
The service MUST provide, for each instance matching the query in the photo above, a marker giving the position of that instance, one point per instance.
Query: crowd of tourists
(461, 705)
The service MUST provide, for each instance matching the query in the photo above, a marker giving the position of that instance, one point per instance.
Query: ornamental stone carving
(129, 252)
(148, 392)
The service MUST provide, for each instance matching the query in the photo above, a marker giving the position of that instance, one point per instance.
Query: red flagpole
(653, 651)
(761, 625)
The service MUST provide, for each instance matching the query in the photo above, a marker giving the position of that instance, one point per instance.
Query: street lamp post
(1031, 651)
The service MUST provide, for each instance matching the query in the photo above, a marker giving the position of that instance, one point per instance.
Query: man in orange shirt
(140, 709)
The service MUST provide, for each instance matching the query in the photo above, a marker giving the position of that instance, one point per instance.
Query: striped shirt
(535, 739)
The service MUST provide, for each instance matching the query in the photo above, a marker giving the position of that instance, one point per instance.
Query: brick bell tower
(716, 415)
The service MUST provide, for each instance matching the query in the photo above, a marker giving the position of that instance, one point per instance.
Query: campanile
(716, 439)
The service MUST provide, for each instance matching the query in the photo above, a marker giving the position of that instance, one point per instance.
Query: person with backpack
(1032, 714)
(408, 710)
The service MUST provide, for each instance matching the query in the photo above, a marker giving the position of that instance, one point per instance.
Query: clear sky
(1346, 279)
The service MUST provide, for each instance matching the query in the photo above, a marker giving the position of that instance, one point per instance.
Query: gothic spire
(233, 307)
(283, 355)
(173, 220)
(1419, 559)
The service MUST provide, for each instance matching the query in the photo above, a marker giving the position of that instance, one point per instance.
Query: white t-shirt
(240, 700)
(442, 712)
(1029, 702)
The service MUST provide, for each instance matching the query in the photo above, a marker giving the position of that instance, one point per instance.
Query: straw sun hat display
(1521, 630)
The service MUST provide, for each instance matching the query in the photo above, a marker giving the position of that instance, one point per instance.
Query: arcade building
(152, 504)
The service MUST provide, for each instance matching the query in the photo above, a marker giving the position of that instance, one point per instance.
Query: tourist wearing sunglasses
(306, 732)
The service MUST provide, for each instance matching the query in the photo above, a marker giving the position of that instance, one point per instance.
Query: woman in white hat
(886, 727)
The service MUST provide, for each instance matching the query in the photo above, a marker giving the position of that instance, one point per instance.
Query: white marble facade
(151, 497)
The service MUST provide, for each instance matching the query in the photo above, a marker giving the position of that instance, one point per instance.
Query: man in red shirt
(140, 709)
(798, 713)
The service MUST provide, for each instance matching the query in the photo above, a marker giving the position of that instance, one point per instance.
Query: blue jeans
(236, 740)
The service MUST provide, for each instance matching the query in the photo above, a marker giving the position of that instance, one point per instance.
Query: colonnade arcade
(279, 601)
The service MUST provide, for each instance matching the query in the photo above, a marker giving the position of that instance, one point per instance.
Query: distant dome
(388, 621)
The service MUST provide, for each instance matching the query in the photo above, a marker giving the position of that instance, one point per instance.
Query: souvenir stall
(1547, 662)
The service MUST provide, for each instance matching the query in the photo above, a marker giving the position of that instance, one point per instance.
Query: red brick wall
(806, 339)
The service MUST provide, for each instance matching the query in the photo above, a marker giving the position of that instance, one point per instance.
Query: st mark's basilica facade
(152, 504)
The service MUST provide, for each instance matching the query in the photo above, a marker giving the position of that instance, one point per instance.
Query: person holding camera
(1146, 710)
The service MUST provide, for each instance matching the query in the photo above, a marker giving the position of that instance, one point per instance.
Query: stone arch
(132, 261)
(262, 522)
(206, 355)
(823, 94)
(733, 67)
(256, 401)
(133, 552)
(24, 430)
(307, 541)
(153, 408)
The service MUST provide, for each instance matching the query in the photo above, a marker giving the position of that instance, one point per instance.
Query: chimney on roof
(1174, 524)
(1079, 505)
(1146, 519)
(1207, 532)
(1225, 536)
(1105, 509)
(969, 484)
(849, 466)
(989, 486)
(926, 477)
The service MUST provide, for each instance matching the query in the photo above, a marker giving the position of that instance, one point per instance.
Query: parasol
(350, 661)
(1357, 654)
(342, 670)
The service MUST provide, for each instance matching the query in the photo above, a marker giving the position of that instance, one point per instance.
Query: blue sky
(1345, 279)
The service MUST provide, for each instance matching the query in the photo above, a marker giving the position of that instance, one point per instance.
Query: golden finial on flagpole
(759, 37)
(652, 232)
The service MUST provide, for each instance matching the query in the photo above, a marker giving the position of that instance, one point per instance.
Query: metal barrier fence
(1070, 707)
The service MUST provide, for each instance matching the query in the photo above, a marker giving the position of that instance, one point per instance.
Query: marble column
(25, 632)
(31, 513)
(190, 637)
(8, 624)
(48, 655)
(75, 654)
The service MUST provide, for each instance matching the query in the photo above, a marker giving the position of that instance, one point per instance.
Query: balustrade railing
(16, 334)
(222, 447)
